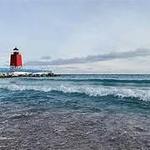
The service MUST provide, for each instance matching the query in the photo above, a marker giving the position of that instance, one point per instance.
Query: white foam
(141, 94)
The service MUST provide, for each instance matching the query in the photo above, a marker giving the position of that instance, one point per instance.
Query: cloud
(46, 57)
(93, 58)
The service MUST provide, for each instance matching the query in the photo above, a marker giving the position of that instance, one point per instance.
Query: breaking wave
(95, 91)
(110, 80)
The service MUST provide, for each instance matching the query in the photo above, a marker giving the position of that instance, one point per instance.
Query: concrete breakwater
(27, 74)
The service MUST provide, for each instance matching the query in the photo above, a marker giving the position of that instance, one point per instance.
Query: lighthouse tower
(16, 59)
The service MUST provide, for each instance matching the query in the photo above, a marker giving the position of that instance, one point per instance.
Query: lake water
(107, 111)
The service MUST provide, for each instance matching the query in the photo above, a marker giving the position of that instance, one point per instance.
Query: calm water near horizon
(96, 111)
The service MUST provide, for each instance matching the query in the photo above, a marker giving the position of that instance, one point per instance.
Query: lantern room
(16, 59)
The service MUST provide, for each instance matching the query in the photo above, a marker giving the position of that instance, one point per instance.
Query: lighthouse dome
(16, 49)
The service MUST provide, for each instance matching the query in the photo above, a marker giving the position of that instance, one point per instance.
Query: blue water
(107, 111)
(87, 93)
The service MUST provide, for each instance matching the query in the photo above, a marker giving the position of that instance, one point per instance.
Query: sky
(77, 36)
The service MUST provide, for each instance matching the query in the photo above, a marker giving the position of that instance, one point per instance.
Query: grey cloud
(94, 58)
(46, 57)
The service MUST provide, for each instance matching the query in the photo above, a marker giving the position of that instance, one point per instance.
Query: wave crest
(96, 91)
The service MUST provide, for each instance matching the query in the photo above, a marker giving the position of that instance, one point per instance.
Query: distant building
(16, 59)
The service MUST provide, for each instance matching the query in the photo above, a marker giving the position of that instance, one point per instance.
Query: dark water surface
(73, 112)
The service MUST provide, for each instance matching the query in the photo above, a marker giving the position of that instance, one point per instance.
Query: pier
(27, 74)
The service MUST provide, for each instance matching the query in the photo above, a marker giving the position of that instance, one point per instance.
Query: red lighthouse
(16, 59)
